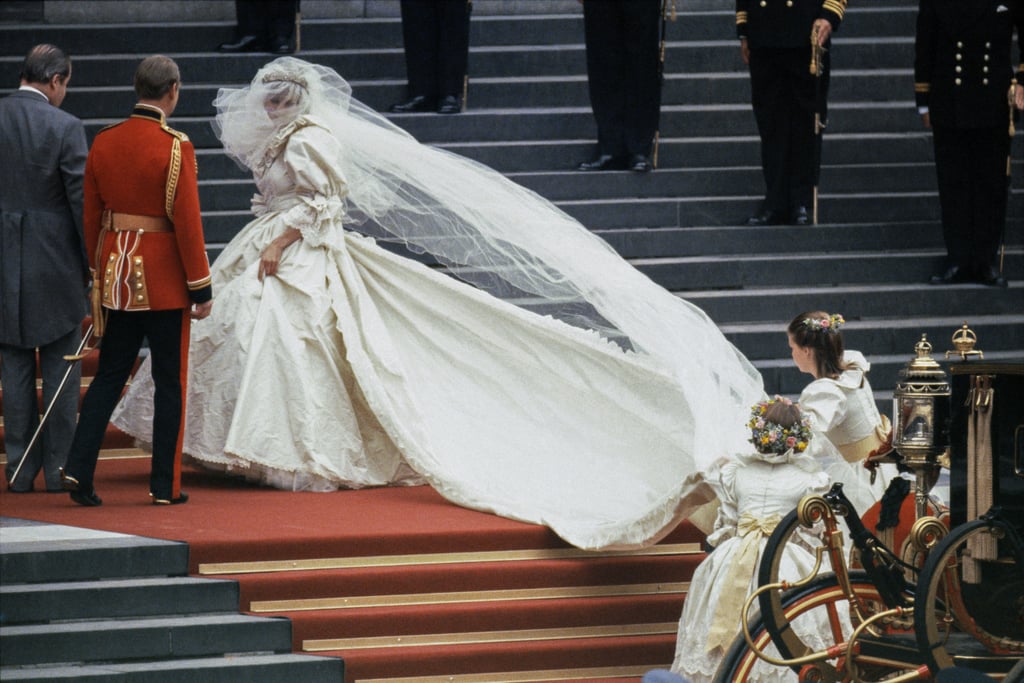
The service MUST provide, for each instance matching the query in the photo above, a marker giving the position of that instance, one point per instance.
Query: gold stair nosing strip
(106, 454)
(458, 597)
(269, 566)
(590, 674)
(480, 637)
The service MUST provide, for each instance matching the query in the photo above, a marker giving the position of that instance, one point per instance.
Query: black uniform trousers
(436, 37)
(168, 334)
(622, 38)
(973, 192)
(21, 408)
(785, 97)
(266, 19)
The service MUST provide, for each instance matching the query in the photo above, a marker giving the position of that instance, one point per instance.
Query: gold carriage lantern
(920, 420)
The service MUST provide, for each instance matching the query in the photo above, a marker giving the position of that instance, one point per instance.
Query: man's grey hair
(43, 62)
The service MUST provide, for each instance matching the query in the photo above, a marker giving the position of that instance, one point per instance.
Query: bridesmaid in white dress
(756, 491)
(564, 388)
(841, 406)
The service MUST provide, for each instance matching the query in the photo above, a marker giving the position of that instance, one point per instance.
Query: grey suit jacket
(43, 266)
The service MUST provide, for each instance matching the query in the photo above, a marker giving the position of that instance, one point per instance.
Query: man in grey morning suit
(43, 265)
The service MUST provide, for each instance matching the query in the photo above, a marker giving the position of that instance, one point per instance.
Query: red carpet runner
(403, 584)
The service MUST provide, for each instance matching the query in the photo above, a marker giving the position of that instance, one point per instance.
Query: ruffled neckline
(277, 142)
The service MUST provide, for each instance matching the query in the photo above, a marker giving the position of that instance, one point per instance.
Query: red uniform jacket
(133, 169)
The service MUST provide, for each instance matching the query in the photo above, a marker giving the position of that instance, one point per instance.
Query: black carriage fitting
(883, 568)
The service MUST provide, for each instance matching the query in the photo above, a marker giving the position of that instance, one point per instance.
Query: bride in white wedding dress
(564, 388)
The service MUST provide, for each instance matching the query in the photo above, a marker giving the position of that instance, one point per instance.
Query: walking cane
(661, 73)
(465, 76)
(1010, 97)
(817, 68)
(80, 353)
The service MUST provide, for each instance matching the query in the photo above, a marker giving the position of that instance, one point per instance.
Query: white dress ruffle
(357, 367)
(765, 492)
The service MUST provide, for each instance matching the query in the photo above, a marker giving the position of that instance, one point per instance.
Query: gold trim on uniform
(200, 284)
(837, 7)
(922, 87)
(741, 17)
(173, 172)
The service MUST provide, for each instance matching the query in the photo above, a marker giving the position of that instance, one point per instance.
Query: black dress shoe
(800, 216)
(78, 494)
(182, 498)
(243, 44)
(952, 275)
(449, 105)
(87, 498)
(991, 276)
(638, 163)
(280, 46)
(767, 217)
(416, 104)
(605, 162)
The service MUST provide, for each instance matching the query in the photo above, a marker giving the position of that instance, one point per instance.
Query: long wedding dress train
(354, 366)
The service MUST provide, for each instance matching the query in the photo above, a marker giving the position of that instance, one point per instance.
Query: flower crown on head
(771, 437)
(830, 324)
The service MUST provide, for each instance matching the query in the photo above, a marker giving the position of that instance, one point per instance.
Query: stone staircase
(529, 117)
(83, 605)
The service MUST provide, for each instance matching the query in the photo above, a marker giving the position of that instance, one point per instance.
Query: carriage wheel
(941, 586)
(823, 592)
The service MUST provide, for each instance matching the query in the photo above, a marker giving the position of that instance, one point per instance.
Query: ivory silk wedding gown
(355, 366)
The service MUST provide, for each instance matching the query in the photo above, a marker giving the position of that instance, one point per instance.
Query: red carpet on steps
(230, 521)
(227, 520)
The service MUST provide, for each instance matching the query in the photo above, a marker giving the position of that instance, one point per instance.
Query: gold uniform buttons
(984, 81)
(959, 68)
(764, 3)
(789, 3)
(957, 81)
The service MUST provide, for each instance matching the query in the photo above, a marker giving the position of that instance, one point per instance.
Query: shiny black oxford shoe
(605, 162)
(181, 499)
(243, 44)
(420, 103)
(951, 276)
(449, 105)
(766, 217)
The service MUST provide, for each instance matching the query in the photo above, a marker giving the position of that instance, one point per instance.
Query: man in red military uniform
(144, 236)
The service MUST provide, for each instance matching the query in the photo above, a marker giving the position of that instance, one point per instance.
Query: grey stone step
(503, 28)
(796, 269)
(32, 553)
(888, 336)
(782, 377)
(228, 194)
(146, 638)
(111, 599)
(487, 61)
(262, 668)
(777, 305)
(701, 88)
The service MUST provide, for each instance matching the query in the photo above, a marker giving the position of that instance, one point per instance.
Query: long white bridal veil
(514, 244)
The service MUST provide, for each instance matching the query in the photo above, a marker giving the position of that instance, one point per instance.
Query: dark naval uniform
(436, 38)
(785, 96)
(622, 39)
(145, 239)
(963, 75)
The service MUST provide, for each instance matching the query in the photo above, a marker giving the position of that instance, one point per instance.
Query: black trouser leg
(118, 351)
(59, 429)
(168, 342)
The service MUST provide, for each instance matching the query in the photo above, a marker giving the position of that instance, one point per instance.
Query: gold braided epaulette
(176, 133)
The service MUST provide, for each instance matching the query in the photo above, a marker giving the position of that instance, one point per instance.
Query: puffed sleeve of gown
(311, 161)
